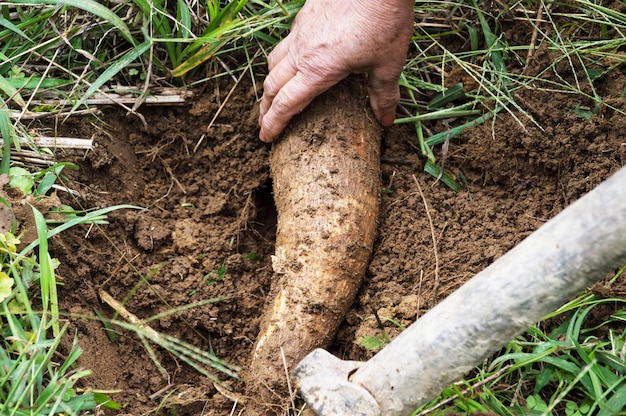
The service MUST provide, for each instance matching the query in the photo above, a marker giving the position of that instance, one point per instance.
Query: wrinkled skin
(329, 40)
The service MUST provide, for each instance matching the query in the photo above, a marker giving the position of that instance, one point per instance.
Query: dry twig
(432, 232)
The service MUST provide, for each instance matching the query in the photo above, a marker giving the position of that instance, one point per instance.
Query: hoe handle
(579, 246)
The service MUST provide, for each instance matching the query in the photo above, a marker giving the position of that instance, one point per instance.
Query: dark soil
(208, 201)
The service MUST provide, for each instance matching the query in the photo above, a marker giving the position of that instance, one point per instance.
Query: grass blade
(6, 128)
(47, 280)
(11, 92)
(438, 115)
(86, 219)
(436, 171)
(9, 25)
(89, 6)
(184, 19)
(615, 404)
(36, 82)
(116, 67)
(204, 54)
(439, 138)
(453, 93)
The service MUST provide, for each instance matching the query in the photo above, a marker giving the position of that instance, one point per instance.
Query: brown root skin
(326, 175)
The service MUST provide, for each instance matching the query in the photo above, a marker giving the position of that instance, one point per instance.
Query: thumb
(384, 95)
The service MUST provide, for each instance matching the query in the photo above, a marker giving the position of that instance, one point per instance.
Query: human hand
(329, 40)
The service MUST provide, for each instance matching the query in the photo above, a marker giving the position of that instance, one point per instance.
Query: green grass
(496, 67)
(574, 368)
(72, 49)
(33, 380)
(136, 43)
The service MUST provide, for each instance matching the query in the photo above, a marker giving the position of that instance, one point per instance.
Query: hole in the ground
(266, 214)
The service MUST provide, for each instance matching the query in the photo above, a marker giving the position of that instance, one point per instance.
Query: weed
(377, 343)
(569, 370)
(33, 381)
(493, 69)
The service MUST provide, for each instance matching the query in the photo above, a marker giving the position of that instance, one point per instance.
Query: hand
(329, 40)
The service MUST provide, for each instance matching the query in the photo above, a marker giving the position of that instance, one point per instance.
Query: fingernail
(263, 136)
(387, 119)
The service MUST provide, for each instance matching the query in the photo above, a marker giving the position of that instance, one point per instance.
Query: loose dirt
(209, 225)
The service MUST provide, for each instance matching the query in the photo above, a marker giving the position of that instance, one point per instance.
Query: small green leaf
(221, 271)
(535, 402)
(435, 171)
(251, 256)
(543, 379)
(372, 343)
(9, 241)
(68, 394)
(46, 183)
(583, 112)
(21, 179)
(104, 400)
(6, 285)
(184, 17)
(594, 74)
(108, 328)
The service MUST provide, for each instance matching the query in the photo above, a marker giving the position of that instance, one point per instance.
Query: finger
(278, 53)
(275, 80)
(384, 94)
(292, 98)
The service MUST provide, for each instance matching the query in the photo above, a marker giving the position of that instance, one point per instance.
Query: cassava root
(326, 179)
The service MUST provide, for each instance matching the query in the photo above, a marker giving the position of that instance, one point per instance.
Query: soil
(209, 224)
